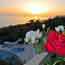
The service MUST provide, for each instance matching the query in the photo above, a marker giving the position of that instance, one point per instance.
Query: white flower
(59, 28)
(31, 36)
(43, 26)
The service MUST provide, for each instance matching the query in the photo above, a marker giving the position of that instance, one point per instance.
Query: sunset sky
(26, 7)
(20, 11)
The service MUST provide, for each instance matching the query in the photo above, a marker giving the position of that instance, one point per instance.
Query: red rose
(55, 43)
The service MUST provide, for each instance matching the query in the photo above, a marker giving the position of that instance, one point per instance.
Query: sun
(36, 8)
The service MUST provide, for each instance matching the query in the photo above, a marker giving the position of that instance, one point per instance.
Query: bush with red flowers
(56, 43)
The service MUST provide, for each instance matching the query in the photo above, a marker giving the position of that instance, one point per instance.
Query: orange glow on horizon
(18, 11)
(56, 10)
(11, 10)
(60, 11)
